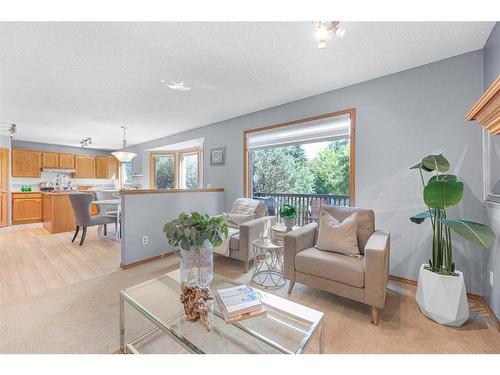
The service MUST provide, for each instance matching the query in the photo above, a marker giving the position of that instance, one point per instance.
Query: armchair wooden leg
(247, 266)
(290, 287)
(375, 315)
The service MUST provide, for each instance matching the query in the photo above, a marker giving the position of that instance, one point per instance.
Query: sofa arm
(293, 243)
(252, 230)
(377, 252)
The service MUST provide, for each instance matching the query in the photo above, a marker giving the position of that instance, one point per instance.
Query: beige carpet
(83, 318)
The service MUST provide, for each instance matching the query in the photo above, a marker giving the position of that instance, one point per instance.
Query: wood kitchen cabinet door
(113, 167)
(101, 167)
(26, 208)
(4, 187)
(50, 160)
(84, 166)
(67, 161)
(26, 163)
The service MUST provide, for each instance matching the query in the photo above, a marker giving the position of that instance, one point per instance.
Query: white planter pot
(442, 298)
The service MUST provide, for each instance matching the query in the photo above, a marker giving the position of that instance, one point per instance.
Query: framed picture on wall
(217, 155)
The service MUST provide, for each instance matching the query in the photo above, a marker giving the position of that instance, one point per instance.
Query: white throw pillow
(234, 220)
(338, 237)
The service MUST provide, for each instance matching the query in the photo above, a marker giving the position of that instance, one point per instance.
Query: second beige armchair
(363, 278)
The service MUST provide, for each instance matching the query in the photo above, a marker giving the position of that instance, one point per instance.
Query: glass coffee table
(288, 327)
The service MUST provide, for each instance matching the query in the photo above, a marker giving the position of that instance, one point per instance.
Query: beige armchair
(240, 244)
(362, 279)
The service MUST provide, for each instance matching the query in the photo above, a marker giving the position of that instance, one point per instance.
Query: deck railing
(307, 205)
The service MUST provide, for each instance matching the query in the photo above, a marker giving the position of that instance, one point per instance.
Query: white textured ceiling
(62, 82)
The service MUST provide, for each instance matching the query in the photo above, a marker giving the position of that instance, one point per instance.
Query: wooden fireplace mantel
(486, 111)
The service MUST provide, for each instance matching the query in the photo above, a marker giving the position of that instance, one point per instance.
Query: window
(162, 170)
(176, 169)
(127, 172)
(189, 178)
(306, 160)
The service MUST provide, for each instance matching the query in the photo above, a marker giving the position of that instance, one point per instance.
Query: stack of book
(239, 303)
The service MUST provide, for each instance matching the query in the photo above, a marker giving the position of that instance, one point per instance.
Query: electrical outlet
(491, 278)
(145, 240)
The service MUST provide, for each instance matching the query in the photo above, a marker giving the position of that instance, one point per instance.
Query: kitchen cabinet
(101, 167)
(67, 161)
(26, 163)
(113, 168)
(58, 214)
(50, 160)
(84, 166)
(26, 208)
(4, 187)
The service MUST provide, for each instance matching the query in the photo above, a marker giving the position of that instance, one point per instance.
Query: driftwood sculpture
(194, 299)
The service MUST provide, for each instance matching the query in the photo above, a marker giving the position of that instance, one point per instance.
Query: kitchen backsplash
(17, 182)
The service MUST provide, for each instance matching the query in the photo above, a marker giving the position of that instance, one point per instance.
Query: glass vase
(197, 266)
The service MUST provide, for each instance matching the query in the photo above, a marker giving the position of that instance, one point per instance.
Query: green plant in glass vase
(443, 191)
(195, 235)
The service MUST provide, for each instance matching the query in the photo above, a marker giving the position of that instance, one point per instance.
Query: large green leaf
(420, 165)
(444, 177)
(442, 194)
(479, 234)
(436, 163)
(419, 218)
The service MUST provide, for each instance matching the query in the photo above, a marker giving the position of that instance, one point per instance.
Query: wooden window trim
(178, 154)
(352, 147)
(187, 152)
(152, 174)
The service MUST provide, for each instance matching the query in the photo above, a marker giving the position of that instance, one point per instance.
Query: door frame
(5, 186)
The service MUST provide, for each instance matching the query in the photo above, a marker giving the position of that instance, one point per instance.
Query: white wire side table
(268, 263)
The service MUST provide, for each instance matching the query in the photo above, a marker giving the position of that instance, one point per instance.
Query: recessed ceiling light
(179, 86)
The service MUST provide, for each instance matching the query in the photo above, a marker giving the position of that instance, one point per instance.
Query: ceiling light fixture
(179, 86)
(11, 129)
(322, 28)
(85, 142)
(124, 156)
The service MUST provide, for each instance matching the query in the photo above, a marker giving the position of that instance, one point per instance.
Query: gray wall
(491, 72)
(400, 119)
(492, 56)
(146, 214)
(58, 148)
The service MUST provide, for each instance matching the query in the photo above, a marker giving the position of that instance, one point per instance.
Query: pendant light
(122, 155)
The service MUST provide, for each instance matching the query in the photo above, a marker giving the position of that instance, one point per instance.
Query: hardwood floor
(33, 261)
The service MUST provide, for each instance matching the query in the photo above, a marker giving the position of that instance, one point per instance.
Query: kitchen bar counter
(145, 212)
(57, 212)
(169, 191)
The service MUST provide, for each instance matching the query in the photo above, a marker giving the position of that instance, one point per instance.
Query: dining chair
(80, 202)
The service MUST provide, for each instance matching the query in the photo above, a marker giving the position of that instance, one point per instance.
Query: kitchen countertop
(59, 192)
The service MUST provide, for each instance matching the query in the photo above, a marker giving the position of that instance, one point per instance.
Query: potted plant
(288, 213)
(195, 235)
(441, 293)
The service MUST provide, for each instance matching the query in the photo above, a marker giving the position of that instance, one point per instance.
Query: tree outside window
(314, 168)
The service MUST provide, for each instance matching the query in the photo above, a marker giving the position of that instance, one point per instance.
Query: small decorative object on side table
(288, 213)
(268, 263)
(279, 230)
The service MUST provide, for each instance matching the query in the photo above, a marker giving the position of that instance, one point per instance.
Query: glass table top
(268, 243)
(288, 327)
